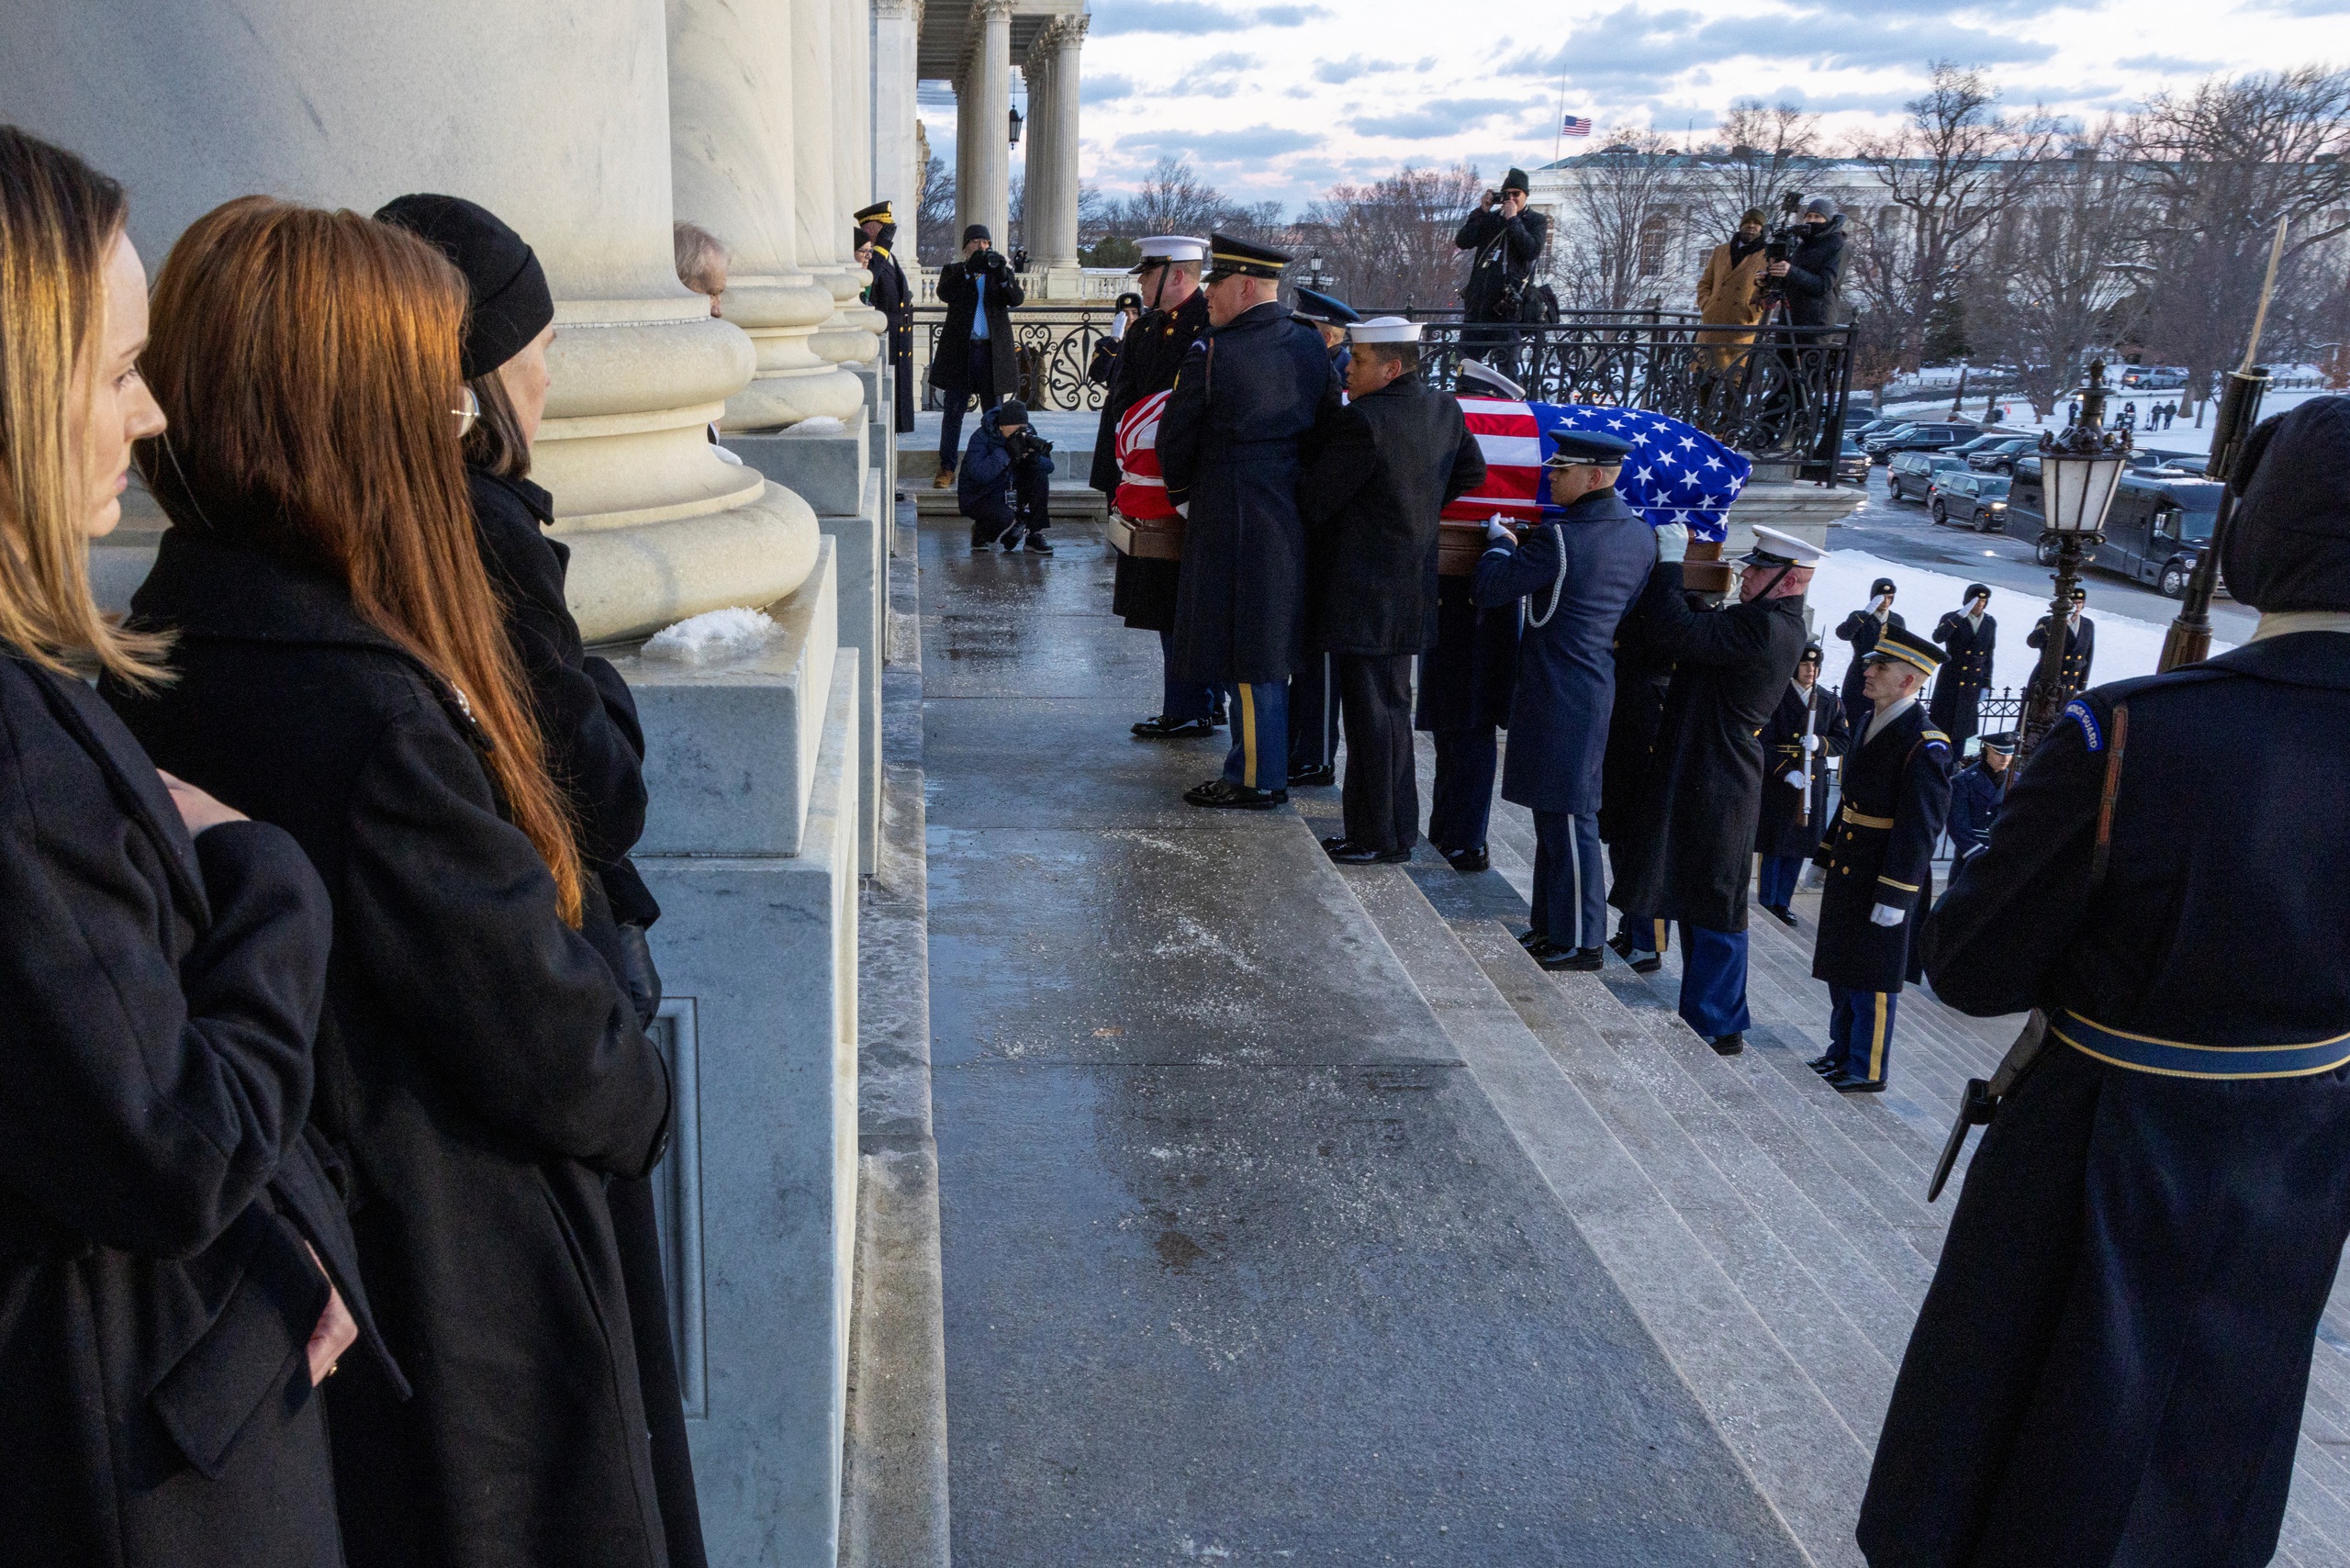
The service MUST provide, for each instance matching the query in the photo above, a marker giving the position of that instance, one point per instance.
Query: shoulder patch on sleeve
(2081, 713)
(1932, 736)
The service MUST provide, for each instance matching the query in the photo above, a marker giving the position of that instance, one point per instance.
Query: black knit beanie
(506, 289)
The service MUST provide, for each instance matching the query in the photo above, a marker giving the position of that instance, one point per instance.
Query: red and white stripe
(1512, 442)
(1142, 491)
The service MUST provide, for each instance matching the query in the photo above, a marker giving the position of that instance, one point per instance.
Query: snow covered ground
(2182, 439)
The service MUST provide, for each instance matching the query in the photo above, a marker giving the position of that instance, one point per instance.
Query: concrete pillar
(1054, 244)
(965, 99)
(821, 215)
(897, 170)
(853, 149)
(352, 104)
(1037, 152)
(732, 165)
(987, 126)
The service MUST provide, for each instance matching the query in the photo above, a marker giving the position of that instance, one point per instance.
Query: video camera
(1778, 246)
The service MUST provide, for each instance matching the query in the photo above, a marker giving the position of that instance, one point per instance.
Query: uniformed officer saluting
(1861, 629)
(2111, 1363)
(1578, 570)
(1230, 446)
(1970, 635)
(1879, 859)
(2080, 643)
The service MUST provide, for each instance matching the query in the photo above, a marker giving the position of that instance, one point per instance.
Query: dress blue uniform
(1577, 571)
(1879, 856)
(1313, 689)
(1784, 841)
(1230, 446)
(1975, 796)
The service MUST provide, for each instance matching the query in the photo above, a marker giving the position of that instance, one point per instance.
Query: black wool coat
(1815, 276)
(157, 1000)
(1894, 795)
(1506, 250)
(1230, 446)
(1861, 630)
(959, 291)
(1642, 678)
(894, 297)
(1383, 471)
(1688, 855)
(480, 1071)
(1776, 831)
(2080, 649)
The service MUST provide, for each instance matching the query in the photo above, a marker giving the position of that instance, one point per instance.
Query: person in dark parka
(1861, 629)
(2080, 644)
(588, 716)
(1384, 472)
(482, 1074)
(1813, 273)
(976, 356)
(1970, 640)
(894, 297)
(2113, 1360)
(1230, 446)
(176, 1269)
(1577, 572)
(1688, 855)
(1507, 237)
(1810, 719)
(1143, 591)
(1878, 861)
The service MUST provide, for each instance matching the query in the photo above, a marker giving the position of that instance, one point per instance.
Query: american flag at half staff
(1574, 125)
(1676, 472)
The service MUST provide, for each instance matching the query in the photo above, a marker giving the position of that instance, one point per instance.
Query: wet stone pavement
(1240, 1264)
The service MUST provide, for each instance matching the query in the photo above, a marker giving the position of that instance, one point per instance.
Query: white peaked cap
(1385, 329)
(1173, 247)
(1786, 546)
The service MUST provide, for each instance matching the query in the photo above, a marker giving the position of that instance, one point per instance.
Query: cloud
(1437, 117)
(2168, 65)
(1108, 87)
(1632, 45)
(1217, 76)
(1347, 69)
(1193, 17)
(1215, 146)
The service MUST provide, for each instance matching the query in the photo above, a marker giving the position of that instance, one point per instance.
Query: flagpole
(1559, 116)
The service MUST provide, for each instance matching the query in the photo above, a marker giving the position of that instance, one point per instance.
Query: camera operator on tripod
(1805, 264)
(1508, 239)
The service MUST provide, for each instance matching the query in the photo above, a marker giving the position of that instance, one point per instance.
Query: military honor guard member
(2080, 643)
(1385, 468)
(1174, 317)
(894, 298)
(1978, 793)
(1313, 689)
(1879, 860)
(2113, 1361)
(1688, 857)
(1576, 573)
(1861, 629)
(1806, 730)
(1969, 636)
(1230, 446)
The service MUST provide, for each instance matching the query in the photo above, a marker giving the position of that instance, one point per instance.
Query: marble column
(988, 125)
(352, 104)
(897, 169)
(732, 167)
(821, 216)
(964, 96)
(853, 147)
(1054, 228)
(1037, 158)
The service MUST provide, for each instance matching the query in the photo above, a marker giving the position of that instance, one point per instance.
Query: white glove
(1793, 779)
(1672, 542)
(1498, 532)
(1811, 743)
(1887, 914)
(1183, 509)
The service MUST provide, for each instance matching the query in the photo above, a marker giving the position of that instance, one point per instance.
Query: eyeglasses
(468, 415)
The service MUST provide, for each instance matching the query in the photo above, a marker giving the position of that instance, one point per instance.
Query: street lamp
(2079, 472)
(1313, 276)
(1015, 128)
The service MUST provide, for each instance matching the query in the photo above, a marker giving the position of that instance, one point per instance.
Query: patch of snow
(714, 637)
(820, 424)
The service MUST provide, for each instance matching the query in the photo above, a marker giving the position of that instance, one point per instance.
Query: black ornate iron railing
(1779, 399)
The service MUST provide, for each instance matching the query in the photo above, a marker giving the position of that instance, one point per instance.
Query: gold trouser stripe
(1857, 820)
(1876, 1041)
(1663, 930)
(1248, 734)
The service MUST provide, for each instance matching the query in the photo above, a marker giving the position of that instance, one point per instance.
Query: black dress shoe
(1571, 960)
(1336, 842)
(1218, 718)
(1313, 778)
(1467, 862)
(1846, 1083)
(1786, 916)
(1728, 1045)
(1218, 795)
(1531, 939)
(1160, 727)
(1649, 965)
(1821, 1064)
(1364, 855)
(1623, 945)
(1038, 545)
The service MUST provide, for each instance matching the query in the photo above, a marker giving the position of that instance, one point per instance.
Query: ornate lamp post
(1311, 276)
(2080, 471)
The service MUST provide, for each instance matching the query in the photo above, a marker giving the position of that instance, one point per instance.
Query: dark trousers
(1859, 1030)
(1645, 933)
(1031, 497)
(978, 382)
(1381, 793)
(1259, 753)
(1314, 715)
(1775, 884)
(1178, 700)
(1713, 981)
(1570, 882)
(1466, 761)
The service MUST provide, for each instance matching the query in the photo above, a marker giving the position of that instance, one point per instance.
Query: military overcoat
(1777, 830)
(1880, 850)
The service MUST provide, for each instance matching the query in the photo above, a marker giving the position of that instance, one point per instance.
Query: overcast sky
(1283, 100)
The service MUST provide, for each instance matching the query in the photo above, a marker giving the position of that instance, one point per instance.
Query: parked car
(1967, 449)
(1969, 499)
(2158, 527)
(1910, 474)
(1873, 427)
(2000, 456)
(1917, 438)
(1852, 465)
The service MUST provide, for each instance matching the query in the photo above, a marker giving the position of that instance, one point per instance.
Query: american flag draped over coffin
(1142, 492)
(1676, 472)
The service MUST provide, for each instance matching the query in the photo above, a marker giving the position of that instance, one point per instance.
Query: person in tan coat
(1728, 292)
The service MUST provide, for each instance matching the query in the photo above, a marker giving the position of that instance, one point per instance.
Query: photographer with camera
(975, 355)
(1508, 239)
(1005, 483)
(1805, 264)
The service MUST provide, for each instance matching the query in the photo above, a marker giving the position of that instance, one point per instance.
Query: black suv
(1917, 438)
(1969, 499)
(2000, 456)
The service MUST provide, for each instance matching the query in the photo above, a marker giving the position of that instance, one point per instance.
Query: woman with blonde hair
(164, 1313)
(342, 672)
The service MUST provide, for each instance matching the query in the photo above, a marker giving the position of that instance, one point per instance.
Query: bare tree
(1389, 244)
(1616, 227)
(934, 235)
(2222, 164)
(1172, 199)
(1950, 170)
(1773, 149)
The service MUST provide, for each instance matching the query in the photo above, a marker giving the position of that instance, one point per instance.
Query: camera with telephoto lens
(990, 259)
(1778, 246)
(1026, 443)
